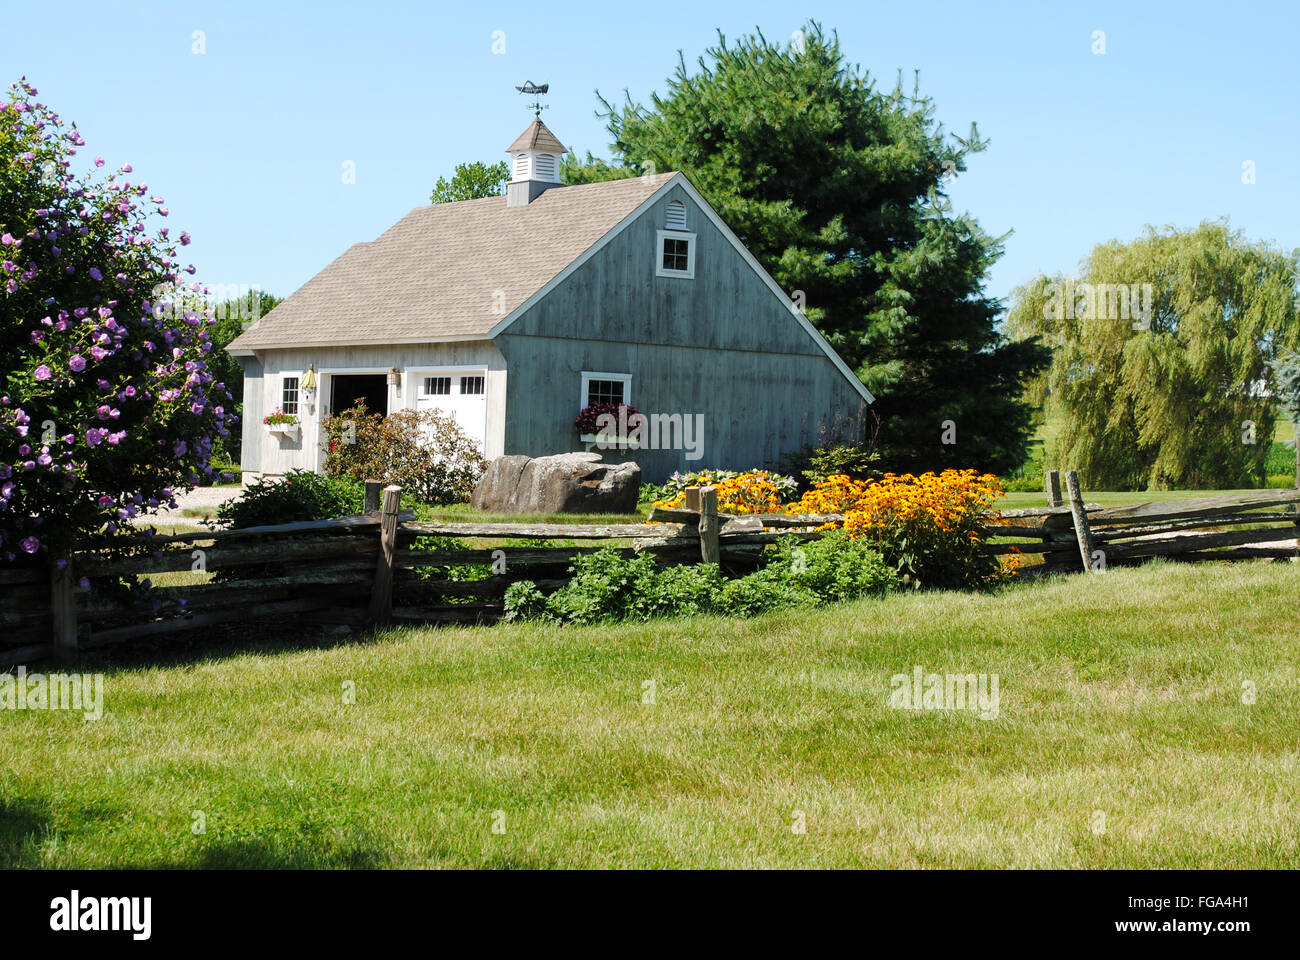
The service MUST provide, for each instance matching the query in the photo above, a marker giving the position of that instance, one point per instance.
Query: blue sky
(247, 141)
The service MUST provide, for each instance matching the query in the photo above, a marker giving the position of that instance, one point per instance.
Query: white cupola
(535, 164)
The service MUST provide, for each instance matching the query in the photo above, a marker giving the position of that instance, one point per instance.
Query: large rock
(566, 483)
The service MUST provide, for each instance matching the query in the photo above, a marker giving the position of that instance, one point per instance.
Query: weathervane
(536, 89)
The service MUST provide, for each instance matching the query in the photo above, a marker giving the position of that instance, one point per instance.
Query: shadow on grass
(30, 840)
(217, 642)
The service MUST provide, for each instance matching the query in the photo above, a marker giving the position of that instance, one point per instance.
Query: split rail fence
(365, 570)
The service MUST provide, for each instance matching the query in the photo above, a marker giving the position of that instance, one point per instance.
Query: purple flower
(77, 363)
(83, 582)
(31, 545)
(43, 372)
(179, 448)
(95, 274)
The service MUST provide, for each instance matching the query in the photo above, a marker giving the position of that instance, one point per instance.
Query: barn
(512, 313)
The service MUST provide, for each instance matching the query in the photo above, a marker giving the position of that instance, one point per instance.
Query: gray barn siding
(251, 431)
(721, 345)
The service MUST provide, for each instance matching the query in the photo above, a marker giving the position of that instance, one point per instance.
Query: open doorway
(347, 389)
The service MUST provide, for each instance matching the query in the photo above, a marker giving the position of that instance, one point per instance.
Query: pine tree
(838, 190)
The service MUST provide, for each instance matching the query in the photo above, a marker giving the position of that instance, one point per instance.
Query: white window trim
(661, 236)
(590, 375)
(279, 397)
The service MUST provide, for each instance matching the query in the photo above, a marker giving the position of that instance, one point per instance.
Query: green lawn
(1122, 740)
(1113, 498)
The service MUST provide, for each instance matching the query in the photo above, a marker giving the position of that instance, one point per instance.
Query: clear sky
(247, 141)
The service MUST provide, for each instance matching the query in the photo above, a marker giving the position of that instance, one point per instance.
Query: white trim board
(680, 178)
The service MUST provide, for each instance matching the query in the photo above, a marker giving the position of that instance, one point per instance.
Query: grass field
(1122, 740)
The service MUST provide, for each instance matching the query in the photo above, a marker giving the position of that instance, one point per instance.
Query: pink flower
(77, 363)
(43, 372)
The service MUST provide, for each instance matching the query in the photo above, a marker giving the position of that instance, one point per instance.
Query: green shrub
(608, 586)
(524, 601)
(835, 568)
(301, 495)
(649, 493)
(814, 465)
(425, 453)
(764, 590)
(1280, 481)
(687, 591)
(1035, 483)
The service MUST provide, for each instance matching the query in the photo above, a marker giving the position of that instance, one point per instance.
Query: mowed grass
(1122, 740)
(1114, 498)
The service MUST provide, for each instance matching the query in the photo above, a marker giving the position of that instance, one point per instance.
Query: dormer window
(676, 254)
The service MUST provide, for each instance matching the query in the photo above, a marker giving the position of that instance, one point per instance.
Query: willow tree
(1162, 374)
(838, 188)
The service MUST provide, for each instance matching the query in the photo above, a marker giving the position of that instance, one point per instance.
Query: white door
(462, 396)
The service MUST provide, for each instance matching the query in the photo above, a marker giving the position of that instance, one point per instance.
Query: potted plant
(285, 424)
(608, 425)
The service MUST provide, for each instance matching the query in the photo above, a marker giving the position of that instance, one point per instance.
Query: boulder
(565, 483)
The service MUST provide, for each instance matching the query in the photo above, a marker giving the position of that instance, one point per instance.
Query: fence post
(1081, 529)
(1053, 480)
(691, 499)
(374, 496)
(63, 608)
(710, 550)
(381, 593)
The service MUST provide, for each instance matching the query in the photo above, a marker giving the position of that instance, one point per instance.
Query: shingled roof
(537, 137)
(435, 274)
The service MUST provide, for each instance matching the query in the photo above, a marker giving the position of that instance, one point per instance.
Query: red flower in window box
(588, 420)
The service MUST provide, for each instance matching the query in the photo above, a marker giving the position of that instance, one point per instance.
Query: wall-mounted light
(308, 385)
(394, 378)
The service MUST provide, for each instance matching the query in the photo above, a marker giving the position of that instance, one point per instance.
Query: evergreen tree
(838, 189)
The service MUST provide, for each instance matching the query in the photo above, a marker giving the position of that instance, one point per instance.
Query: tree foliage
(593, 169)
(108, 403)
(1177, 396)
(839, 190)
(471, 181)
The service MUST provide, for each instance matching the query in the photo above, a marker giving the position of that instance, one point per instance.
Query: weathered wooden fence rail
(1078, 536)
(372, 569)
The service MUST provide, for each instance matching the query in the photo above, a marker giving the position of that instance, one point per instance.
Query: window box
(609, 441)
(290, 430)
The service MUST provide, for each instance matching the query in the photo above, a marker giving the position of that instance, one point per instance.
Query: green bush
(428, 455)
(835, 568)
(301, 495)
(608, 586)
(814, 465)
(649, 493)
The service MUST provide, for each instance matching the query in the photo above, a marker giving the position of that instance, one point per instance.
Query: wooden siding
(275, 454)
(721, 345)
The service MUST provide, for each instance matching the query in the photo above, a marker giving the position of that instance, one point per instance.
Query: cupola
(535, 164)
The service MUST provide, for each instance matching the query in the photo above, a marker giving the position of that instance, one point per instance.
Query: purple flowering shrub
(107, 404)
